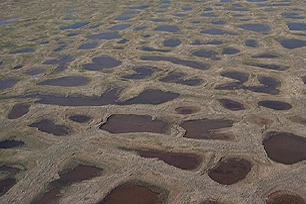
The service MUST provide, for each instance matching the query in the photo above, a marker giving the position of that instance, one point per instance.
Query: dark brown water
(185, 161)
(6, 184)
(231, 105)
(230, 171)
(49, 126)
(202, 129)
(210, 202)
(185, 110)
(280, 197)
(50, 197)
(67, 177)
(12, 170)
(18, 111)
(298, 119)
(284, 147)
(80, 173)
(130, 193)
(133, 123)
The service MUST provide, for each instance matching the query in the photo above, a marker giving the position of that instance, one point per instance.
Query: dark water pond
(251, 43)
(141, 73)
(150, 49)
(6, 144)
(292, 43)
(176, 77)
(269, 66)
(74, 26)
(102, 62)
(296, 26)
(217, 31)
(66, 81)
(133, 123)
(203, 129)
(131, 193)
(62, 62)
(266, 56)
(167, 28)
(80, 118)
(6, 184)
(18, 111)
(230, 51)
(255, 27)
(120, 27)
(185, 110)
(79, 173)
(23, 50)
(207, 54)
(9, 169)
(286, 148)
(283, 197)
(50, 197)
(231, 105)
(188, 63)
(7, 83)
(35, 71)
(67, 177)
(153, 97)
(185, 161)
(109, 97)
(275, 105)
(105, 36)
(88, 46)
(230, 171)
(242, 77)
(50, 127)
(172, 42)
